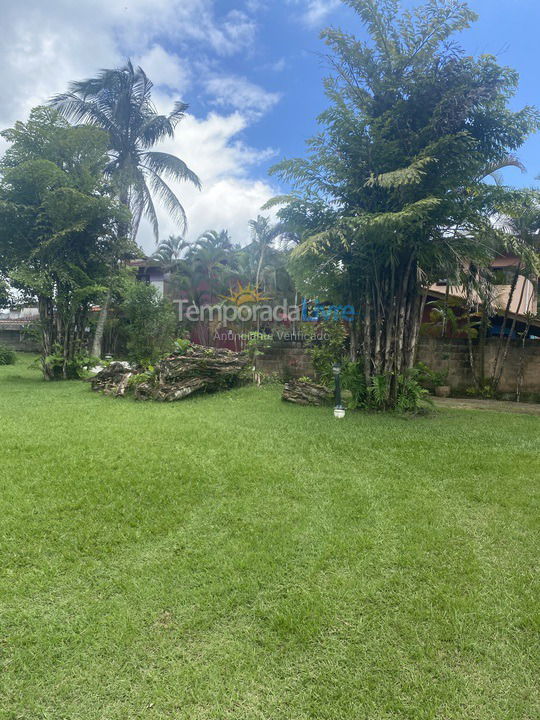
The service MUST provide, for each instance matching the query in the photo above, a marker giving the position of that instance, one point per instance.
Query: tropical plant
(7, 355)
(217, 238)
(263, 233)
(119, 101)
(169, 252)
(520, 224)
(58, 229)
(150, 322)
(411, 128)
(327, 347)
(211, 260)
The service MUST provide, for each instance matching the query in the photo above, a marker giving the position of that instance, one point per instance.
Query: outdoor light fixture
(339, 410)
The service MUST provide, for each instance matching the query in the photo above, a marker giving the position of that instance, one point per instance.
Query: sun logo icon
(244, 294)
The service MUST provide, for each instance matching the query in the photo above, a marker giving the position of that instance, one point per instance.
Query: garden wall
(441, 355)
(287, 360)
(291, 360)
(17, 340)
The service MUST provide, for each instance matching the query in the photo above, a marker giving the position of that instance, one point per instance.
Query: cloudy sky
(250, 70)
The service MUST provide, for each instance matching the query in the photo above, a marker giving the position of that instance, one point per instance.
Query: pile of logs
(113, 379)
(198, 369)
(306, 393)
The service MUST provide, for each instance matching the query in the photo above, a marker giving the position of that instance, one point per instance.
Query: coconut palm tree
(263, 233)
(210, 264)
(169, 251)
(217, 238)
(119, 102)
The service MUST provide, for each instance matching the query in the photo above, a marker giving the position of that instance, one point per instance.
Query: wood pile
(198, 369)
(306, 393)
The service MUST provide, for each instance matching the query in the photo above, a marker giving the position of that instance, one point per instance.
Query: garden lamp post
(339, 410)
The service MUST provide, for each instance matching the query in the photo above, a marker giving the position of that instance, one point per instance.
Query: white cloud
(229, 197)
(278, 66)
(231, 91)
(165, 69)
(314, 12)
(45, 45)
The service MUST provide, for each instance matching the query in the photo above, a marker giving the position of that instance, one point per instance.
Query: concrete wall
(454, 356)
(287, 360)
(290, 360)
(17, 340)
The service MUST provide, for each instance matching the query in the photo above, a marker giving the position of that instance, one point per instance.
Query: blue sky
(251, 71)
(506, 28)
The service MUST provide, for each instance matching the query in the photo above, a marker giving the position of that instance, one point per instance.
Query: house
(15, 326)
(152, 272)
(523, 305)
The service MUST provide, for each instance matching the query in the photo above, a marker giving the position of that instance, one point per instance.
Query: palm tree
(119, 102)
(217, 238)
(521, 227)
(263, 233)
(245, 264)
(169, 251)
(210, 264)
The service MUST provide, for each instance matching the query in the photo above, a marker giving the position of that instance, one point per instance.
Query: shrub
(150, 323)
(411, 396)
(76, 368)
(324, 353)
(430, 379)
(256, 344)
(181, 345)
(353, 379)
(7, 356)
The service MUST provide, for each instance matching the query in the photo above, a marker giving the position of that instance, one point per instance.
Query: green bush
(150, 323)
(430, 379)
(411, 396)
(324, 353)
(76, 368)
(407, 389)
(7, 356)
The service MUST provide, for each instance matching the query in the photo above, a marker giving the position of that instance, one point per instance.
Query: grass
(232, 556)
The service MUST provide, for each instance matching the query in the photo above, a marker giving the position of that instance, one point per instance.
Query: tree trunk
(100, 327)
(497, 378)
(521, 367)
(259, 266)
(482, 347)
(46, 321)
(500, 342)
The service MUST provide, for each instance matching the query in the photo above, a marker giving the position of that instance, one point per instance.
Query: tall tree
(58, 229)
(169, 251)
(119, 101)
(263, 233)
(217, 238)
(412, 125)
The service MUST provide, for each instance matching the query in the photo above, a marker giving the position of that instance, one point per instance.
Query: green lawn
(232, 556)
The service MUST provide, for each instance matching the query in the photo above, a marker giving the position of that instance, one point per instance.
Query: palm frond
(168, 199)
(79, 111)
(164, 163)
(155, 128)
(150, 210)
(508, 161)
(178, 112)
